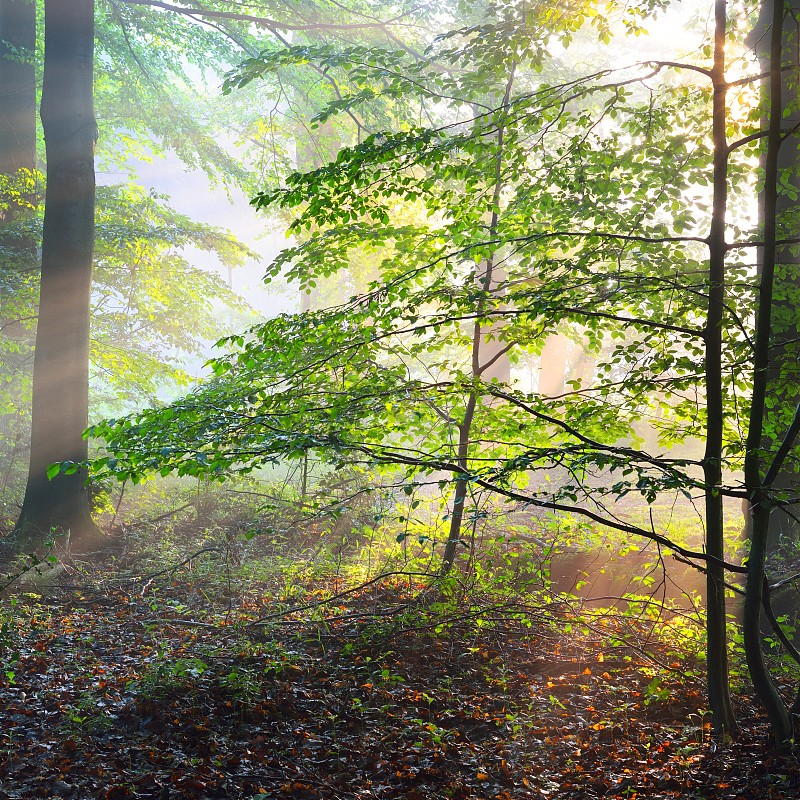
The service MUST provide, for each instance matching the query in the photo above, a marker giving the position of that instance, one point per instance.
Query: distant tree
(17, 147)
(153, 310)
(17, 86)
(18, 256)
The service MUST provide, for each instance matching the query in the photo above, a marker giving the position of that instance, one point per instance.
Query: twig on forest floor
(167, 570)
(144, 523)
(187, 623)
(177, 566)
(350, 616)
(265, 620)
(333, 598)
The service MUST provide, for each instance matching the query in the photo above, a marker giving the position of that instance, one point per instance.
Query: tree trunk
(784, 363)
(17, 162)
(17, 86)
(757, 483)
(489, 353)
(460, 496)
(717, 644)
(553, 365)
(17, 119)
(61, 372)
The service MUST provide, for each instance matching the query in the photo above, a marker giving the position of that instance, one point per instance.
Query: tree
(17, 86)
(17, 146)
(156, 285)
(391, 377)
(17, 189)
(766, 470)
(62, 344)
(153, 310)
(60, 373)
(133, 81)
(713, 383)
(784, 537)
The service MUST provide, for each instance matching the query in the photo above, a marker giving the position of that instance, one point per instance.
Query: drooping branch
(784, 449)
(775, 625)
(552, 505)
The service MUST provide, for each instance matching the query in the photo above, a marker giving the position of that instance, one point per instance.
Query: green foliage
(152, 88)
(9, 639)
(19, 234)
(534, 206)
(152, 308)
(153, 311)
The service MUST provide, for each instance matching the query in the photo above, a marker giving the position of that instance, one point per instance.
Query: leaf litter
(160, 693)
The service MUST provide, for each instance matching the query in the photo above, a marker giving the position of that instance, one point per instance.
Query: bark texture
(717, 643)
(61, 375)
(783, 369)
(758, 475)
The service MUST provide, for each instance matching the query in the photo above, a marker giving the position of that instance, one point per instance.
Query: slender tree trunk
(488, 355)
(61, 373)
(717, 646)
(460, 496)
(757, 488)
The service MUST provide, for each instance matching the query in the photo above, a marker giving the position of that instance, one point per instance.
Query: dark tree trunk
(757, 477)
(17, 85)
(717, 647)
(784, 362)
(460, 497)
(60, 374)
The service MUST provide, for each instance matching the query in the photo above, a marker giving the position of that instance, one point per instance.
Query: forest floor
(172, 688)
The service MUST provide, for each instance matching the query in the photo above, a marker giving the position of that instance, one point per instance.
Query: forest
(399, 399)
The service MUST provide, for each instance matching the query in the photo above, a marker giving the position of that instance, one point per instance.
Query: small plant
(433, 733)
(166, 676)
(556, 703)
(387, 676)
(241, 684)
(85, 716)
(9, 639)
(656, 691)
